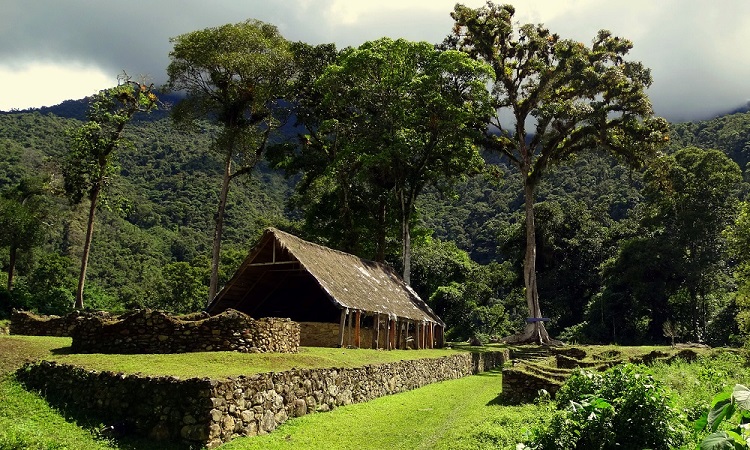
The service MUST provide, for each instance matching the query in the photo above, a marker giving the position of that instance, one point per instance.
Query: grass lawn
(200, 364)
(454, 414)
(457, 414)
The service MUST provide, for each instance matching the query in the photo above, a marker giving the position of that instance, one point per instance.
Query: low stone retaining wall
(211, 412)
(520, 386)
(147, 331)
(30, 324)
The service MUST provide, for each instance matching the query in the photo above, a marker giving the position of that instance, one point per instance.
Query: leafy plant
(623, 408)
(728, 420)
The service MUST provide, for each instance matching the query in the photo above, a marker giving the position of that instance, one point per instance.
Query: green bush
(728, 421)
(623, 408)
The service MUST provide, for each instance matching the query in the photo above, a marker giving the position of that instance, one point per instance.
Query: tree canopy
(395, 116)
(90, 164)
(234, 75)
(555, 99)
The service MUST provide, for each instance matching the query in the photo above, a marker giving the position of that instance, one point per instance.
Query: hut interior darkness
(339, 299)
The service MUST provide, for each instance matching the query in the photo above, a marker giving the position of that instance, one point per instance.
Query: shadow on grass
(502, 400)
(62, 351)
(119, 433)
(494, 373)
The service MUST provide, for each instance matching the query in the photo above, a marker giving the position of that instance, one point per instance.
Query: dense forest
(600, 235)
(623, 254)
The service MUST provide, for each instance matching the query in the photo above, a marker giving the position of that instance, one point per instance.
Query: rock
(268, 422)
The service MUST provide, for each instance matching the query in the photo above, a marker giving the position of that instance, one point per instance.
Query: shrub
(623, 408)
(727, 420)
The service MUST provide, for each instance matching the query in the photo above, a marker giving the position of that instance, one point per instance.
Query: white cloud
(46, 84)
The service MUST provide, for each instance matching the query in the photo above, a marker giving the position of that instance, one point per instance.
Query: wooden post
(357, 328)
(376, 331)
(349, 317)
(341, 327)
(387, 345)
(399, 326)
(392, 335)
(397, 334)
(402, 334)
(432, 335)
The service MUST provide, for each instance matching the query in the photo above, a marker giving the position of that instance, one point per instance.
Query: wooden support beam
(396, 329)
(376, 331)
(341, 327)
(357, 328)
(392, 334)
(402, 334)
(349, 314)
(397, 343)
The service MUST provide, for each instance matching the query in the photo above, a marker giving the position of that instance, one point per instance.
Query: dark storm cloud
(116, 36)
(696, 50)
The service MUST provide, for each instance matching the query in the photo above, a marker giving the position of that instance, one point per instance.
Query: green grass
(455, 414)
(28, 422)
(458, 414)
(696, 383)
(203, 364)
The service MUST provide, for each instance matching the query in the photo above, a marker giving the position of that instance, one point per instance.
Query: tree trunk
(406, 238)
(87, 246)
(219, 229)
(535, 331)
(380, 245)
(12, 266)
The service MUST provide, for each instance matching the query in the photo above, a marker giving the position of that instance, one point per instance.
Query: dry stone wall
(211, 412)
(30, 324)
(520, 386)
(147, 331)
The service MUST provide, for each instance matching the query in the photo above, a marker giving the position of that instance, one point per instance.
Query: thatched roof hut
(285, 276)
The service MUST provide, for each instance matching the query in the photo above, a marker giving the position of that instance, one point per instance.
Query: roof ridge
(329, 249)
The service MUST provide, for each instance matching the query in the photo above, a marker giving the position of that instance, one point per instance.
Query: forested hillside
(153, 242)
(157, 222)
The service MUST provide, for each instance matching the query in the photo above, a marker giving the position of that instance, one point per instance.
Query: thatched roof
(284, 273)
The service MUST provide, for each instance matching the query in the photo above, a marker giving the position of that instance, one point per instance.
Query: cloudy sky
(52, 50)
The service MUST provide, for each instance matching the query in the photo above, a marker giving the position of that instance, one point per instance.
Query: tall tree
(235, 76)
(674, 267)
(22, 214)
(91, 161)
(399, 116)
(692, 197)
(555, 98)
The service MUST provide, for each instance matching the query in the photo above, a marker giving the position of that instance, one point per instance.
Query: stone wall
(211, 412)
(522, 387)
(30, 324)
(322, 334)
(318, 334)
(147, 331)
